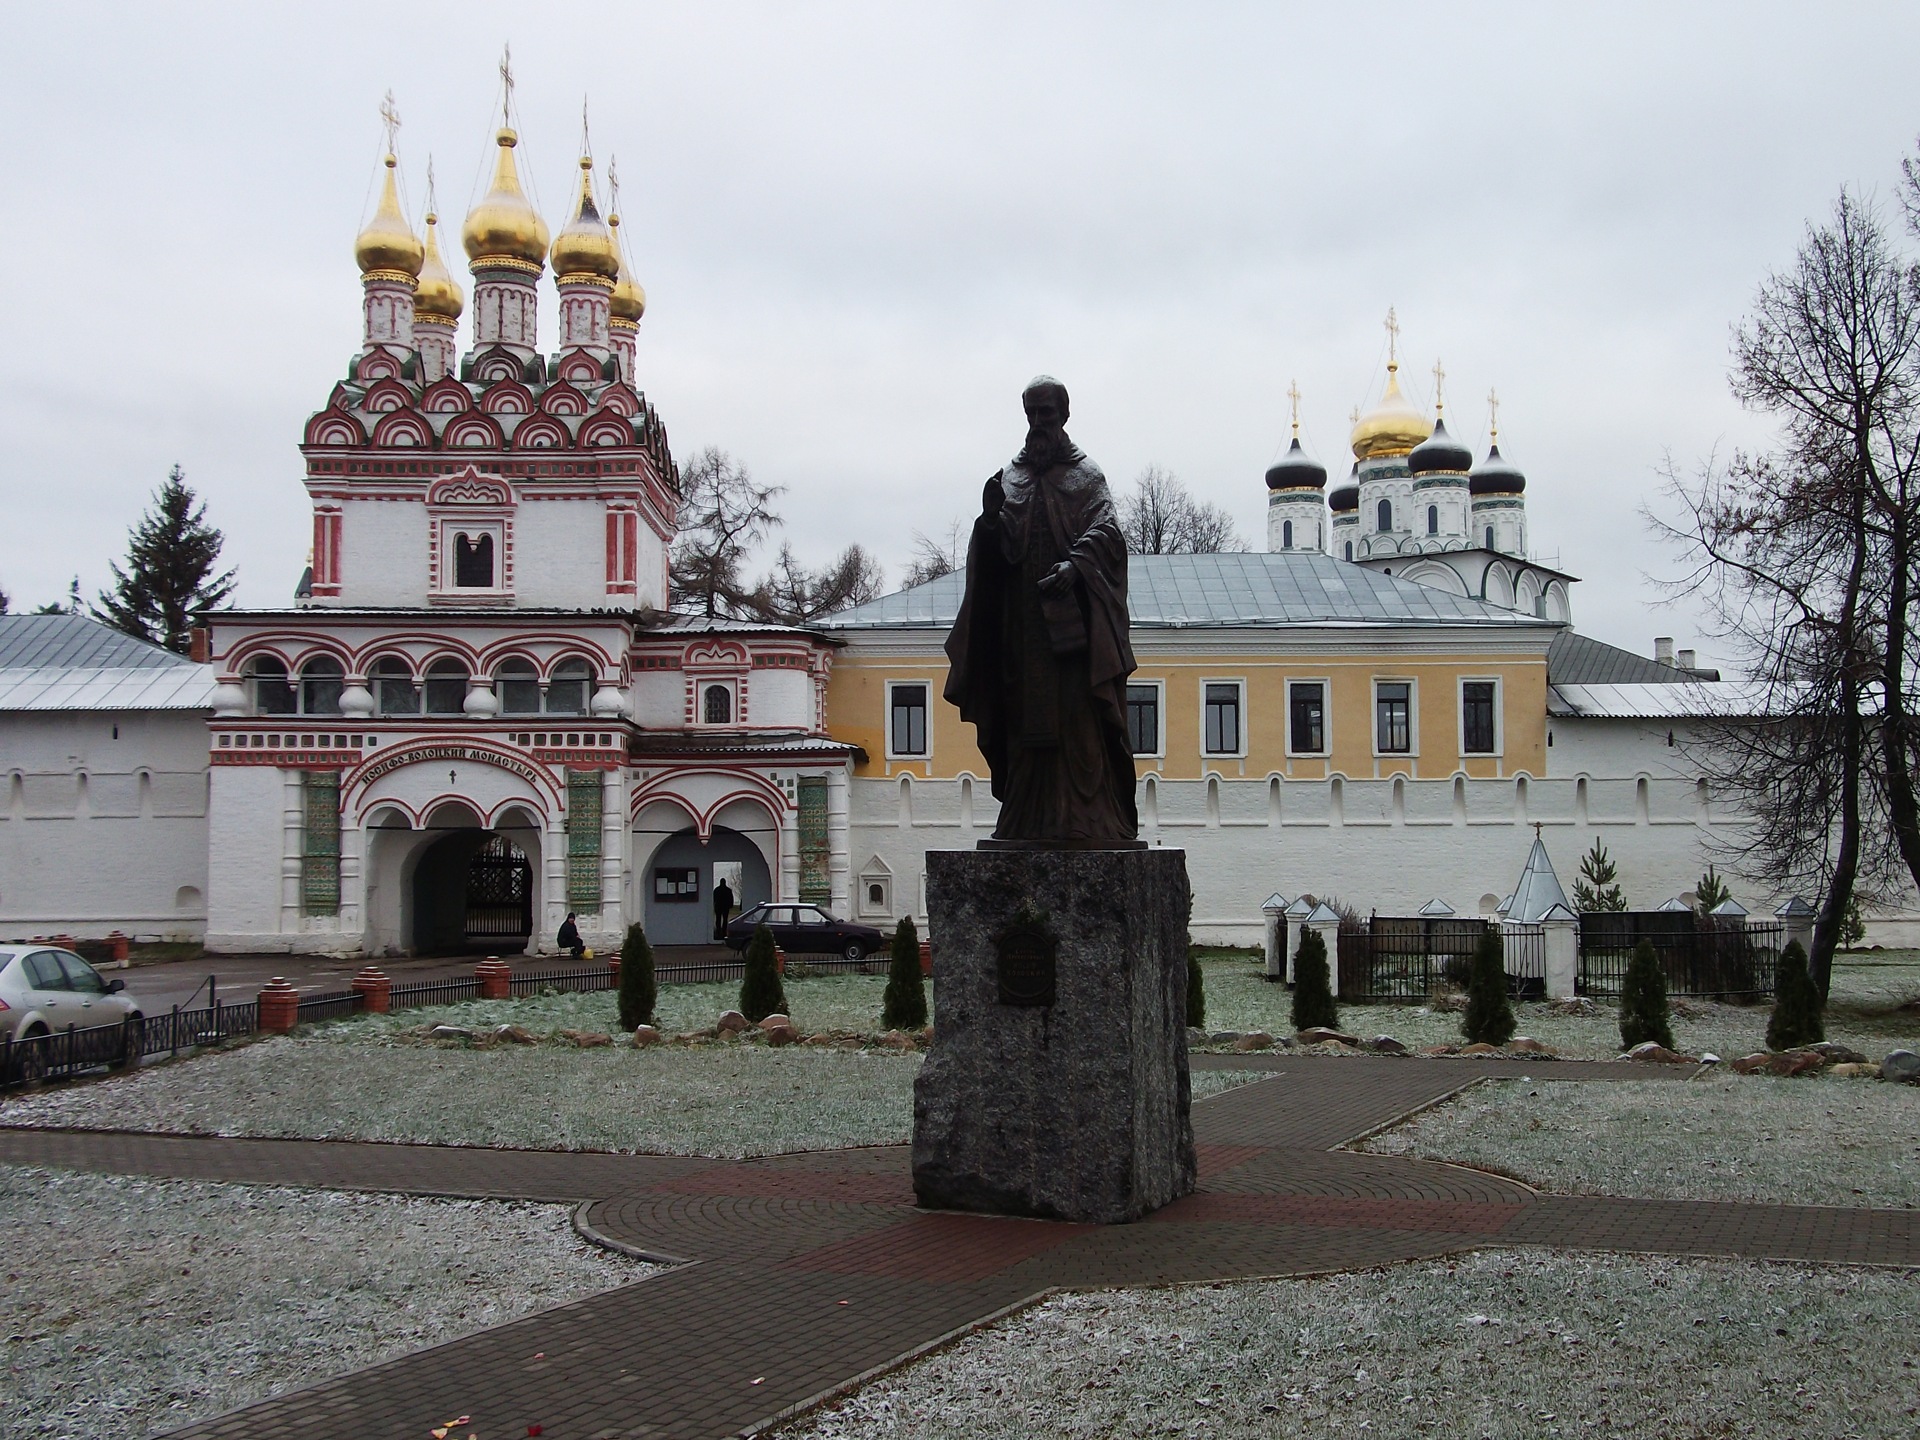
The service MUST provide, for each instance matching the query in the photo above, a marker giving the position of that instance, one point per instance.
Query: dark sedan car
(805, 930)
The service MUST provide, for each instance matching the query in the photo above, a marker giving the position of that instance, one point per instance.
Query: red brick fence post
(375, 990)
(279, 1007)
(495, 977)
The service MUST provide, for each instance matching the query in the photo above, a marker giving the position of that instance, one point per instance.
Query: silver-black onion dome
(1439, 454)
(1296, 470)
(1494, 476)
(1345, 499)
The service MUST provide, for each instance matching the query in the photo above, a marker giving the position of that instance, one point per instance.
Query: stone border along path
(806, 1274)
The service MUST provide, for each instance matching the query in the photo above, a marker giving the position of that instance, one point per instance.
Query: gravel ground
(1507, 1345)
(1723, 1137)
(723, 1100)
(213, 1296)
(1875, 1007)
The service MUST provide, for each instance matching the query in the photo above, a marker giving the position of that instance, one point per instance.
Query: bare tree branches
(1805, 554)
(794, 595)
(1159, 517)
(933, 558)
(723, 514)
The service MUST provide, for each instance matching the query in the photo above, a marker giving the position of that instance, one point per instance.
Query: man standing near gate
(722, 909)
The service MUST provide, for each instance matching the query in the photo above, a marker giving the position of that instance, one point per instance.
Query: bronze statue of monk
(1040, 653)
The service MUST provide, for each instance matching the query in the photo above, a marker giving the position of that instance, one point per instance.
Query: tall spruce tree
(1313, 1002)
(1643, 1000)
(1797, 1009)
(639, 987)
(761, 993)
(1489, 1018)
(1598, 887)
(1711, 891)
(904, 1006)
(170, 575)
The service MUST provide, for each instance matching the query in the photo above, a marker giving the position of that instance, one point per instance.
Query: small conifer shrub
(1196, 994)
(1489, 1018)
(1643, 1000)
(1710, 892)
(1598, 887)
(1797, 1018)
(760, 992)
(638, 989)
(1313, 1003)
(904, 1007)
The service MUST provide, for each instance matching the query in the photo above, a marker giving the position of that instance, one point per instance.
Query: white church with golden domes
(479, 715)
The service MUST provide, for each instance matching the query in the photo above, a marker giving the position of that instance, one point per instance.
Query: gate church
(480, 717)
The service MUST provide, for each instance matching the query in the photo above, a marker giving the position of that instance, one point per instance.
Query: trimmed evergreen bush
(760, 992)
(1797, 1018)
(905, 1005)
(1710, 892)
(1313, 1003)
(1489, 1018)
(1196, 993)
(1643, 1001)
(638, 989)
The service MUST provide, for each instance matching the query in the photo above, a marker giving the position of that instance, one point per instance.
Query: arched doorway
(473, 890)
(680, 878)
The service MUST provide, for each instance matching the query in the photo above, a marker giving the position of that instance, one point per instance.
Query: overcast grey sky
(861, 228)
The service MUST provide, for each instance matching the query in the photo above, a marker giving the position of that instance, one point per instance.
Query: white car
(43, 991)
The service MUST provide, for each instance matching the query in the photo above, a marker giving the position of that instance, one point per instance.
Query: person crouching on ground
(569, 938)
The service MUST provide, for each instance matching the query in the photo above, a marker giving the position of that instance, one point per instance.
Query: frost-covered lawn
(134, 1306)
(366, 1079)
(1875, 1007)
(1724, 1137)
(826, 1002)
(1512, 1345)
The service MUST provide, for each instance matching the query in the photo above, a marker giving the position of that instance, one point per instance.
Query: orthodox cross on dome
(1393, 339)
(1493, 418)
(613, 188)
(586, 136)
(430, 205)
(506, 85)
(390, 119)
(1293, 395)
(1439, 387)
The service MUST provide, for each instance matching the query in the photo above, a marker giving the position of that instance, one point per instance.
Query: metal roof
(1674, 700)
(88, 687)
(44, 641)
(1582, 660)
(1539, 888)
(1287, 587)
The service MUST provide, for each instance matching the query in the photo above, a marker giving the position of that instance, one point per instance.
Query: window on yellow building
(1307, 718)
(1143, 719)
(1476, 717)
(1223, 718)
(1393, 717)
(907, 720)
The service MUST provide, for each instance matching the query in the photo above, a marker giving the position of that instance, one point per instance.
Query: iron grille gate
(1406, 957)
(499, 892)
(1701, 955)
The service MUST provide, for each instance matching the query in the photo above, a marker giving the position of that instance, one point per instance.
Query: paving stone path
(802, 1274)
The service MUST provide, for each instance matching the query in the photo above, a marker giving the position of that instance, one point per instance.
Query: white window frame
(1326, 716)
(450, 526)
(1413, 717)
(1159, 752)
(1499, 716)
(886, 721)
(1239, 683)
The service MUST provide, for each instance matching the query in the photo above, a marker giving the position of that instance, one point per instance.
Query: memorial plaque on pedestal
(1057, 1085)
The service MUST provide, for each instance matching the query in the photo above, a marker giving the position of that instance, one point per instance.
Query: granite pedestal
(1057, 1085)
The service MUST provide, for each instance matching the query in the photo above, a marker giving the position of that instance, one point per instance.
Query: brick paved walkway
(805, 1273)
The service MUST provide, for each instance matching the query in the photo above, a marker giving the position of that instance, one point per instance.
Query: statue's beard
(1047, 445)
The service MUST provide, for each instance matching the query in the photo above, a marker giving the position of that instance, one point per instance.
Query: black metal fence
(1406, 957)
(335, 1006)
(1524, 948)
(433, 992)
(1702, 956)
(589, 978)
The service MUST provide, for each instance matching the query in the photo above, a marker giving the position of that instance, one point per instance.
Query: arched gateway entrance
(680, 879)
(472, 890)
(453, 885)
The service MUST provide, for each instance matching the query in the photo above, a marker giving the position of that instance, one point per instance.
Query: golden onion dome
(388, 245)
(504, 228)
(1391, 428)
(438, 296)
(584, 247)
(629, 301)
